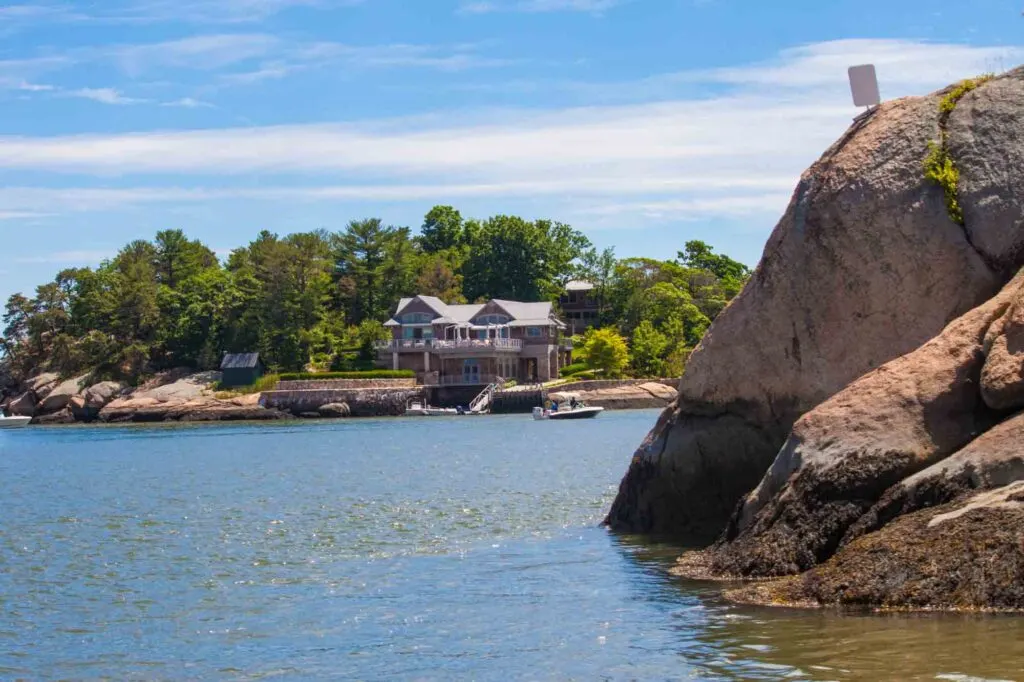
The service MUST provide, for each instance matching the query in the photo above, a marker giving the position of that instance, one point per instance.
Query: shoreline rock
(850, 432)
(819, 311)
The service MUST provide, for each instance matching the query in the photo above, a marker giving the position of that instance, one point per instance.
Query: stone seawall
(341, 384)
(362, 402)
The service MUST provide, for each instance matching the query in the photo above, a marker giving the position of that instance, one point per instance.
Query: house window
(407, 332)
(417, 318)
(533, 331)
(481, 334)
(492, 319)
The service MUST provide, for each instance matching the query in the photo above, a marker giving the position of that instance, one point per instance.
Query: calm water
(392, 549)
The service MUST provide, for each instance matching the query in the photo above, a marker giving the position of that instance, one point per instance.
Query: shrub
(940, 169)
(372, 374)
(570, 370)
(266, 382)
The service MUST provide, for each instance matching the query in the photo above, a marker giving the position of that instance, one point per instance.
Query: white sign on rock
(864, 86)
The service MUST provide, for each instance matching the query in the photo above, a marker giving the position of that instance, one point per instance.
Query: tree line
(317, 299)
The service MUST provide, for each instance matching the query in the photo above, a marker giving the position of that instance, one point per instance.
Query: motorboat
(13, 422)
(418, 408)
(580, 412)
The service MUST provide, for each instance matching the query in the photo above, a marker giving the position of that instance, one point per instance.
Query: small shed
(241, 369)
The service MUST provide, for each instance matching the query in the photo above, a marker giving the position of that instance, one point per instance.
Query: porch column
(426, 361)
(394, 360)
(544, 370)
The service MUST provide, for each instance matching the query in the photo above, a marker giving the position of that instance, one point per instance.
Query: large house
(477, 343)
(580, 306)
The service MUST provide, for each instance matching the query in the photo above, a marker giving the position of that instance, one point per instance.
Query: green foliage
(570, 370)
(605, 350)
(649, 348)
(317, 300)
(940, 169)
(939, 166)
(511, 258)
(373, 374)
(949, 102)
(265, 383)
(442, 230)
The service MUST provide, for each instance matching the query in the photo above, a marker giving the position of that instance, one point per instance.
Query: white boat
(421, 409)
(13, 422)
(581, 412)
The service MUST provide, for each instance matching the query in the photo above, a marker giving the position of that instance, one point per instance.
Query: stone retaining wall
(332, 384)
(363, 402)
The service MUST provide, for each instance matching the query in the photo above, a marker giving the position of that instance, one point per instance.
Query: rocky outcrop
(147, 409)
(42, 384)
(964, 555)
(100, 395)
(60, 396)
(844, 455)
(866, 265)
(627, 397)
(23, 405)
(334, 411)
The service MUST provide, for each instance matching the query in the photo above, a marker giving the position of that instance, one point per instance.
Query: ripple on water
(384, 549)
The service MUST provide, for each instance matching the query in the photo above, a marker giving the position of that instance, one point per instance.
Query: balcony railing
(449, 345)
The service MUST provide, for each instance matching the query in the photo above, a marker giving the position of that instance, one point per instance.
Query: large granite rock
(100, 395)
(60, 396)
(42, 384)
(334, 411)
(23, 405)
(650, 395)
(147, 409)
(866, 265)
(844, 455)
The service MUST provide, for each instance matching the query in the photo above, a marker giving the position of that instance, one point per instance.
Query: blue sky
(644, 123)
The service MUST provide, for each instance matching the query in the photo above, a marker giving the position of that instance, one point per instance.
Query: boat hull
(14, 422)
(561, 415)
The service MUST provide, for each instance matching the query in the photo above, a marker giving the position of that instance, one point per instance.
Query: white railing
(483, 401)
(448, 345)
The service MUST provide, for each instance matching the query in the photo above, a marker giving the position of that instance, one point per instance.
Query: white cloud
(104, 96)
(20, 215)
(221, 11)
(159, 11)
(188, 103)
(204, 52)
(737, 151)
(537, 6)
(67, 257)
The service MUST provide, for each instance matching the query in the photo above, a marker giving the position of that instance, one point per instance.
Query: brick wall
(341, 384)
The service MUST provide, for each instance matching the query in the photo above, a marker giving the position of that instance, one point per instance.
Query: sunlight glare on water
(393, 549)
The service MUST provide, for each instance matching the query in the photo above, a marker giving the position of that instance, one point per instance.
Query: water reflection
(768, 643)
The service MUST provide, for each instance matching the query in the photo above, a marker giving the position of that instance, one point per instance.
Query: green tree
(511, 258)
(438, 278)
(361, 252)
(442, 230)
(649, 347)
(605, 350)
(177, 258)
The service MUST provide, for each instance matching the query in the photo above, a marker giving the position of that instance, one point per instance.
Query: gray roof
(240, 361)
(536, 314)
(578, 285)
